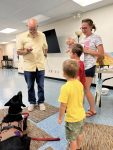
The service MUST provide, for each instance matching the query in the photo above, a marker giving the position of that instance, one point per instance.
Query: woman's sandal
(90, 113)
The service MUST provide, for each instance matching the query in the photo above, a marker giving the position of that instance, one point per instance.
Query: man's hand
(24, 51)
(29, 50)
(45, 55)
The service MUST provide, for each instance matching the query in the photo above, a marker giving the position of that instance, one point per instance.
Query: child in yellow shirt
(71, 101)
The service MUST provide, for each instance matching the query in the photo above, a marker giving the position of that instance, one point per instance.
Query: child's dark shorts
(90, 72)
(73, 130)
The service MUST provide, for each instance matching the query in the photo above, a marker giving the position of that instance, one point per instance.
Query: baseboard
(93, 84)
(20, 73)
(105, 86)
(55, 78)
(9, 68)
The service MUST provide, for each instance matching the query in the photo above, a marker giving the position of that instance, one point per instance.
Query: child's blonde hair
(70, 41)
(70, 68)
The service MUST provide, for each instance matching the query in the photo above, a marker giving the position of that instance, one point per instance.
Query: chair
(6, 62)
(99, 90)
(5, 57)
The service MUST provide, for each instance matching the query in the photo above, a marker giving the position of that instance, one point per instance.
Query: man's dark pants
(30, 78)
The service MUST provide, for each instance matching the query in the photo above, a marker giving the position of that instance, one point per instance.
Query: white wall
(64, 29)
(103, 19)
(1, 54)
(10, 50)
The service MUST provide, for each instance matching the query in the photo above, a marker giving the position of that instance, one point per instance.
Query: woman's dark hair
(90, 23)
(77, 49)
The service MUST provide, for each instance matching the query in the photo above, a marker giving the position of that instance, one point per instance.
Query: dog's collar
(11, 126)
(14, 114)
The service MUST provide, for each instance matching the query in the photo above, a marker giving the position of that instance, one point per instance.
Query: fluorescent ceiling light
(8, 30)
(86, 2)
(3, 42)
(14, 40)
(39, 18)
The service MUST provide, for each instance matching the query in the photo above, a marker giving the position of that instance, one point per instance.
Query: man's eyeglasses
(33, 28)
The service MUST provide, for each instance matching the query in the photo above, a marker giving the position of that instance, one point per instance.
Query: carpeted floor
(36, 115)
(3, 113)
(49, 148)
(32, 130)
(35, 132)
(97, 137)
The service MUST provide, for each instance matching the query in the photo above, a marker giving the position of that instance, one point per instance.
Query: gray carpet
(36, 115)
(49, 148)
(97, 137)
(33, 131)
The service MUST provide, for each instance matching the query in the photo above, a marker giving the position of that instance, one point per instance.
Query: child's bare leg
(79, 141)
(68, 146)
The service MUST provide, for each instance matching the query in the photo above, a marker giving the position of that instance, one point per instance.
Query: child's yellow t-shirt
(72, 94)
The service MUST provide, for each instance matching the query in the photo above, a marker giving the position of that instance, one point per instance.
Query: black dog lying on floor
(13, 125)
